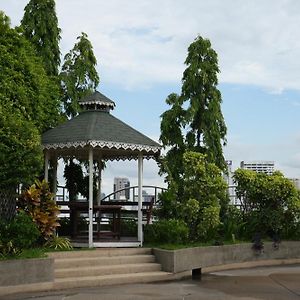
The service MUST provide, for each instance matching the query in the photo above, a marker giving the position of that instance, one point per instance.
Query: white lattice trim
(111, 104)
(103, 144)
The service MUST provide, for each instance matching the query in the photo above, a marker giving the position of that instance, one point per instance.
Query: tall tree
(40, 26)
(24, 84)
(207, 129)
(28, 106)
(79, 76)
(195, 121)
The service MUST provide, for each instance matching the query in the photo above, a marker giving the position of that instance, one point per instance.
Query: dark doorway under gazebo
(96, 135)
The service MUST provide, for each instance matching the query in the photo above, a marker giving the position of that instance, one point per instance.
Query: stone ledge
(26, 288)
(26, 271)
(181, 260)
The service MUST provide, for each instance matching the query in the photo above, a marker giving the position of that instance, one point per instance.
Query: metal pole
(46, 165)
(91, 198)
(140, 185)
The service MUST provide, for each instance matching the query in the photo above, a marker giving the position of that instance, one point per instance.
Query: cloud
(285, 153)
(141, 43)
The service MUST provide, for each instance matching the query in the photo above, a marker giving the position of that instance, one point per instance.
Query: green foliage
(233, 227)
(58, 243)
(28, 106)
(7, 249)
(128, 227)
(190, 212)
(203, 180)
(203, 194)
(37, 201)
(194, 121)
(18, 234)
(74, 178)
(271, 203)
(79, 76)
(31, 253)
(168, 207)
(200, 198)
(199, 87)
(208, 227)
(166, 231)
(25, 87)
(20, 149)
(40, 26)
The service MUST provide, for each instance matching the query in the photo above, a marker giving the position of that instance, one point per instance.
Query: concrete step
(106, 270)
(64, 263)
(91, 281)
(100, 252)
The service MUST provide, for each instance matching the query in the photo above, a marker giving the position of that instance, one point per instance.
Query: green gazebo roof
(96, 127)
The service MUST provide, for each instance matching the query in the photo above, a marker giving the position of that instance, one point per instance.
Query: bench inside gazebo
(115, 220)
(96, 136)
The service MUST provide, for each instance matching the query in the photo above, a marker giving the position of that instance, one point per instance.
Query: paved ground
(274, 283)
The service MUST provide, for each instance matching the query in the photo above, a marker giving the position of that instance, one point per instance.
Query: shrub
(37, 202)
(208, 227)
(270, 203)
(128, 227)
(8, 250)
(166, 231)
(20, 233)
(198, 197)
(59, 243)
(233, 225)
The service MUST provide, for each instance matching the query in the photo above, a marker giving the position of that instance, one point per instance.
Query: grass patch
(26, 254)
(39, 252)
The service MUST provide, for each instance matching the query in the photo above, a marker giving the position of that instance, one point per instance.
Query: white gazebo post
(91, 198)
(46, 165)
(99, 182)
(99, 193)
(54, 177)
(140, 199)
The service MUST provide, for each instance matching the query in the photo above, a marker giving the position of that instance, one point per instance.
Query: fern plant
(59, 243)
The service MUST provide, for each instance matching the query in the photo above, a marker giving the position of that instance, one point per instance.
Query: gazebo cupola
(98, 102)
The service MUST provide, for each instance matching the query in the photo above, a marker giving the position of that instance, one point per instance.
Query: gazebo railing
(133, 191)
(152, 195)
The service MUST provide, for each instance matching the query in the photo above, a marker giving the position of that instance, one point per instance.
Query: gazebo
(96, 135)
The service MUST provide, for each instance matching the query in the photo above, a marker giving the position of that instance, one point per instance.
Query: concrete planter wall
(182, 260)
(25, 271)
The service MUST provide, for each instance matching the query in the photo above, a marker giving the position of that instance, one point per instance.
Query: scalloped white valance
(103, 144)
(110, 104)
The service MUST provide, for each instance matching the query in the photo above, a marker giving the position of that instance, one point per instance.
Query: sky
(141, 47)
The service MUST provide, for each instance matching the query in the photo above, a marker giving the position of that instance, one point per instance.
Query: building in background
(119, 184)
(231, 185)
(147, 197)
(266, 167)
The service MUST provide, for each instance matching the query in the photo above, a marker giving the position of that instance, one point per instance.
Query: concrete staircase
(101, 267)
